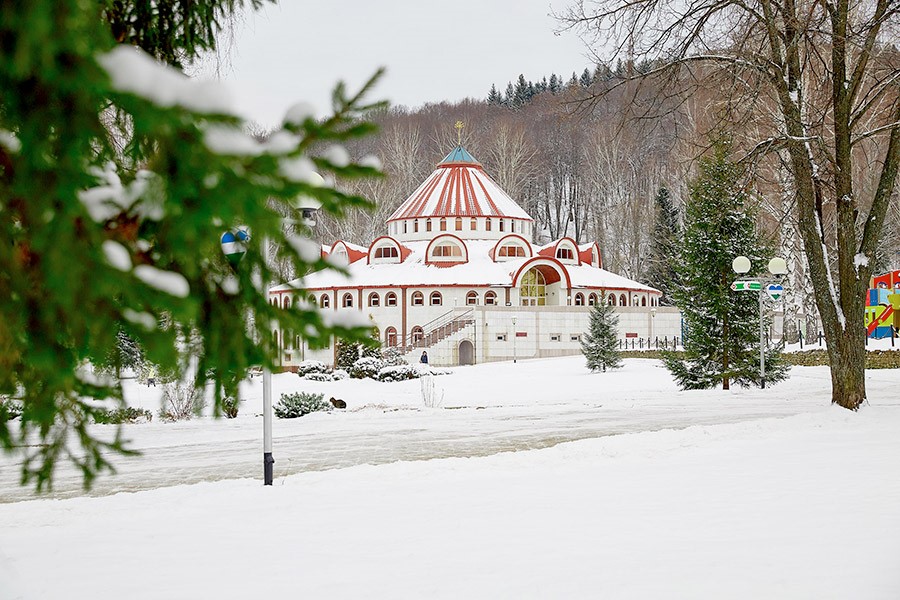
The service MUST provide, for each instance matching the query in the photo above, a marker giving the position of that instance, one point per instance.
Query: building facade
(457, 276)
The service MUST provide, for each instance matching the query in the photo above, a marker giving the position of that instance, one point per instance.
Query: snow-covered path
(488, 410)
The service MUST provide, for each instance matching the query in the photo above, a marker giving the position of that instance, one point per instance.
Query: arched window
(443, 224)
(287, 301)
(512, 250)
(592, 300)
(471, 298)
(387, 252)
(579, 299)
(390, 299)
(427, 224)
(564, 254)
(347, 300)
(417, 334)
(643, 300)
(404, 226)
(418, 299)
(533, 289)
(487, 224)
(312, 300)
(502, 226)
(325, 302)
(390, 336)
(446, 250)
(623, 300)
(611, 299)
(459, 223)
(416, 226)
(435, 299)
(490, 298)
(473, 224)
(374, 299)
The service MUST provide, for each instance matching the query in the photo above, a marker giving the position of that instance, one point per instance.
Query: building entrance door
(466, 353)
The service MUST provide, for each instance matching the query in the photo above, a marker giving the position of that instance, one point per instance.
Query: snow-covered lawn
(742, 494)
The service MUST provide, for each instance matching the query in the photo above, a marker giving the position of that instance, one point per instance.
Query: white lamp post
(777, 266)
(652, 318)
(514, 339)
(307, 206)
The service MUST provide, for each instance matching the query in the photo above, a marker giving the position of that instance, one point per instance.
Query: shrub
(398, 373)
(291, 406)
(393, 357)
(9, 409)
(311, 366)
(367, 366)
(339, 374)
(129, 414)
(181, 401)
(230, 406)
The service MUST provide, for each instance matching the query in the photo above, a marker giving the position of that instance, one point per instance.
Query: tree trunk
(848, 371)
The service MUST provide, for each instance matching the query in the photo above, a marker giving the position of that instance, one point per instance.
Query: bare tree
(820, 73)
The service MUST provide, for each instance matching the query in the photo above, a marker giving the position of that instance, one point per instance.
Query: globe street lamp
(777, 266)
(307, 206)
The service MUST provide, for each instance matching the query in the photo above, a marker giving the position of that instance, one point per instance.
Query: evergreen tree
(586, 80)
(510, 97)
(722, 339)
(494, 96)
(573, 81)
(555, 84)
(600, 344)
(118, 177)
(663, 246)
(542, 86)
(520, 94)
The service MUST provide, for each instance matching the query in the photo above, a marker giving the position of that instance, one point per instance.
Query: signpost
(777, 266)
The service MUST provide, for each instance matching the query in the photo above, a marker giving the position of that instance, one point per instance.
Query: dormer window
(386, 252)
(512, 251)
(565, 254)
(446, 251)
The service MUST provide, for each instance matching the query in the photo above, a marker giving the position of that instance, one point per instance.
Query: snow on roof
(481, 270)
(459, 186)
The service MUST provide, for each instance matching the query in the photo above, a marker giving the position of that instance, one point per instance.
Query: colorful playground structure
(883, 305)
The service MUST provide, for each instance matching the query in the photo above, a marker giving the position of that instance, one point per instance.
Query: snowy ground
(742, 494)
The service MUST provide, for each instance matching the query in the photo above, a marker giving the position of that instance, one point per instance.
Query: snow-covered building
(457, 276)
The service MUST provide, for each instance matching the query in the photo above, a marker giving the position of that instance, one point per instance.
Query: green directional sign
(746, 286)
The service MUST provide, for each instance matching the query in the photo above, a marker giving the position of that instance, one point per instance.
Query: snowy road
(396, 430)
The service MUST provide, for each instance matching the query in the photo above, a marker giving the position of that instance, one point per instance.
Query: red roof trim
(418, 205)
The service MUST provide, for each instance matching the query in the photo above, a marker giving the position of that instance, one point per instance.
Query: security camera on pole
(764, 287)
(307, 206)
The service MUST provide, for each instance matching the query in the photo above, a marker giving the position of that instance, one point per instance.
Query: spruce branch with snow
(118, 232)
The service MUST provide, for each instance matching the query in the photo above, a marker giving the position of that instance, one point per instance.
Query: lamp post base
(268, 468)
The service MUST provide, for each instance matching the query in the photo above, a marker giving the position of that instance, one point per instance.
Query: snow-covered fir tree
(600, 344)
(722, 339)
(494, 96)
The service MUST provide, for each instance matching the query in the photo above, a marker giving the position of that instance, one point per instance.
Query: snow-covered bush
(311, 366)
(367, 366)
(129, 414)
(399, 373)
(393, 357)
(339, 374)
(9, 409)
(230, 406)
(319, 377)
(181, 401)
(291, 406)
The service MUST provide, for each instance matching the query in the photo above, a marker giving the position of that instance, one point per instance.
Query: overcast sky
(433, 51)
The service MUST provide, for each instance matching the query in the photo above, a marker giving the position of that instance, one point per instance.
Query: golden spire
(459, 127)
